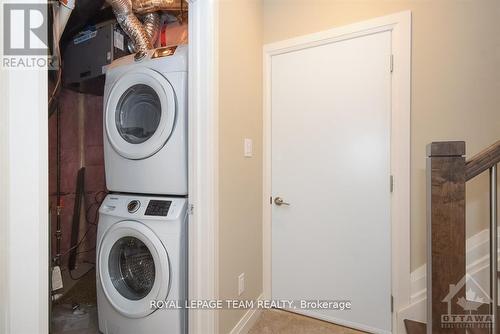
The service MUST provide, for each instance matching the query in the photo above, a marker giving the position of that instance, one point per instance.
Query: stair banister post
(445, 233)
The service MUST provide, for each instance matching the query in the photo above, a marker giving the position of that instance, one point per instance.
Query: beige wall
(455, 79)
(240, 187)
(455, 96)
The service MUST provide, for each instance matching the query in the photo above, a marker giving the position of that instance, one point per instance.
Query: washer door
(133, 268)
(140, 113)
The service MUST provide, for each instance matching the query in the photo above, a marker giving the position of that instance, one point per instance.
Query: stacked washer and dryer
(142, 232)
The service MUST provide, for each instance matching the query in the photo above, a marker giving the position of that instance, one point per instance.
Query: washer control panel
(144, 208)
(158, 208)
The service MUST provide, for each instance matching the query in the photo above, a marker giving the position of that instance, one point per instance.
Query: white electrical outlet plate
(241, 284)
(247, 148)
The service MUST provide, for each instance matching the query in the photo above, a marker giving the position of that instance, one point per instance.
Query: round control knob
(133, 206)
(140, 56)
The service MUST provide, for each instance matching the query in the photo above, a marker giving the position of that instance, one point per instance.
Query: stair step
(415, 327)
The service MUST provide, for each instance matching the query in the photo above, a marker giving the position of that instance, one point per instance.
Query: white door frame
(24, 222)
(24, 246)
(399, 25)
(203, 162)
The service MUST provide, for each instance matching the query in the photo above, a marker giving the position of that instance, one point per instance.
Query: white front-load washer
(145, 123)
(141, 265)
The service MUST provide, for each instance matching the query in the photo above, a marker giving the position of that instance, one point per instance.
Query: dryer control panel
(158, 208)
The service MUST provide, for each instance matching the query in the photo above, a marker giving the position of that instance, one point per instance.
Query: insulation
(149, 6)
(174, 34)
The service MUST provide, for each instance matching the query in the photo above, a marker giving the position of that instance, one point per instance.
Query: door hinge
(391, 182)
(392, 63)
(191, 209)
(271, 200)
(392, 304)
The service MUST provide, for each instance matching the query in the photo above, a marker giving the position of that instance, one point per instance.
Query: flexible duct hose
(131, 24)
(151, 24)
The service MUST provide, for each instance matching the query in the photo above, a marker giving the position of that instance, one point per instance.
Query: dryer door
(133, 268)
(140, 113)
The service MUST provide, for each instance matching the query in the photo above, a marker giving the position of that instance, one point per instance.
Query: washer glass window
(131, 268)
(138, 113)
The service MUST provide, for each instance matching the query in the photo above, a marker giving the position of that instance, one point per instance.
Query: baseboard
(247, 321)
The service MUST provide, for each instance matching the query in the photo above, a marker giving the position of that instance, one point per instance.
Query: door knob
(279, 201)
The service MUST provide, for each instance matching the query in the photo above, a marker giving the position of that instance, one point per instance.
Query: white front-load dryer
(142, 263)
(145, 123)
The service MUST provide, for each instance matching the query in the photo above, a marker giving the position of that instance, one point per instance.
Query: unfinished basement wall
(81, 146)
(240, 178)
(455, 81)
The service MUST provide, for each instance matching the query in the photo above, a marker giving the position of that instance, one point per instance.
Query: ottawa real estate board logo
(467, 311)
(25, 36)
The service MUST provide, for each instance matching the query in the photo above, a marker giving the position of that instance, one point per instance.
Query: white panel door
(330, 129)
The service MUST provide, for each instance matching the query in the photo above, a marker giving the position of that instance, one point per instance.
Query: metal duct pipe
(151, 24)
(131, 24)
(149, 6)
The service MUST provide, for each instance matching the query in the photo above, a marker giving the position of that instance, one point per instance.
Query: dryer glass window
(138, 114)
(132, 268)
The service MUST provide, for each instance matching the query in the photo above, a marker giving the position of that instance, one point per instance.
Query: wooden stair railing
(482, 161)
(447, 174)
